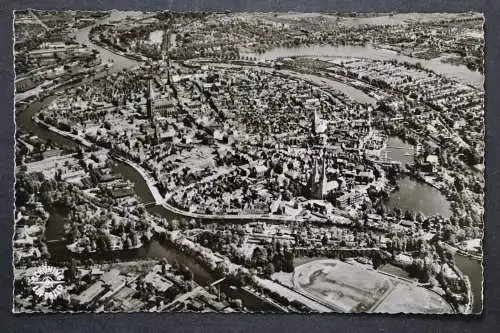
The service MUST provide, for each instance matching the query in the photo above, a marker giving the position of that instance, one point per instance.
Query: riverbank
(144, 175)
(457, 72)
(321, 81)
(253, 292)
(455, 250)
(67, 135)
(105, 46)
(216, 263)
(151, 183)
(148, 179)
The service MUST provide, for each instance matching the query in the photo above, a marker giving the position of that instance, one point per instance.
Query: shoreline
(67, 135)
(470, 294)
(154, 190)
(160, 201)
(151, 187)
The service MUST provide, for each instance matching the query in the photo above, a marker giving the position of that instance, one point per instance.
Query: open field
(354, 288)
(408, 298)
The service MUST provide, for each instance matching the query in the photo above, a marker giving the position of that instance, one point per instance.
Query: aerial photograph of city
(248, 162)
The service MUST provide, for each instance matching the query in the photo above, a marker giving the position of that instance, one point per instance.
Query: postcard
(248, 162)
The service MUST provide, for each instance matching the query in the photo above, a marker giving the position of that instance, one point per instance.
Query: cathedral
(317, 180)
(316, 186)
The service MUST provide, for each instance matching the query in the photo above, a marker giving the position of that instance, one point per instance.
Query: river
(119, 62)
(416, 195)
(155, 249)
(412, 194)
(152, 250)
(458, 72)
(355, 94)
(474, 270)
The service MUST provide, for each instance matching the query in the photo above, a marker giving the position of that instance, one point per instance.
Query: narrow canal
(156, 249)
(474, 270)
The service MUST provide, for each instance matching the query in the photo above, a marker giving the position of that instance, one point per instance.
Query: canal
(474, 270)
(153, 249)
(419, 196)
(119, 62)
(157, 249)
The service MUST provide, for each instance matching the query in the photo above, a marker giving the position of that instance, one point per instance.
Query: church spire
(315, 121)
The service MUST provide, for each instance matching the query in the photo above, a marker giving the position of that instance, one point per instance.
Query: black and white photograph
(276, 162)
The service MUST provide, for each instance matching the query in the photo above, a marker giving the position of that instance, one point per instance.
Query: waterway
(354, 93)
(474, 270)
(458, 72)
(419, 197)
(156, 249)
(413, 194)
(119, 62)
(416, 195)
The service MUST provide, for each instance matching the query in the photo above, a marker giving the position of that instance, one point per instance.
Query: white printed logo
(47, 282)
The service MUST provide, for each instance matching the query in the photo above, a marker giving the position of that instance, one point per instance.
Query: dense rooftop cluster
(241, 35)
(258, 164)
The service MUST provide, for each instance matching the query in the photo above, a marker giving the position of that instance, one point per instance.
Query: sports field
(349, 287)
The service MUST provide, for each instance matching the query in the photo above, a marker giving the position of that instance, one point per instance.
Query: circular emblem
(47, 282)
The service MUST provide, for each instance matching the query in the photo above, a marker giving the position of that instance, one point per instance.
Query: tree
(459, 185)
(71, 273)
(258, 257)
(288, 265)
(269, 270)
(222, 269)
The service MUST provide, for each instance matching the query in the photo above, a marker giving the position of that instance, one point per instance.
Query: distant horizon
(250, 162)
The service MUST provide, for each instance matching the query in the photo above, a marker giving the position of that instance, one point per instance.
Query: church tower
(315, 122)
(317, 181)
(151, 97)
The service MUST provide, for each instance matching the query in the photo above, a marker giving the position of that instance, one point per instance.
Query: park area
(352, 287)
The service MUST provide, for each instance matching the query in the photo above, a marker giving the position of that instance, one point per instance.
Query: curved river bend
(458, 72)
(156, 249)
